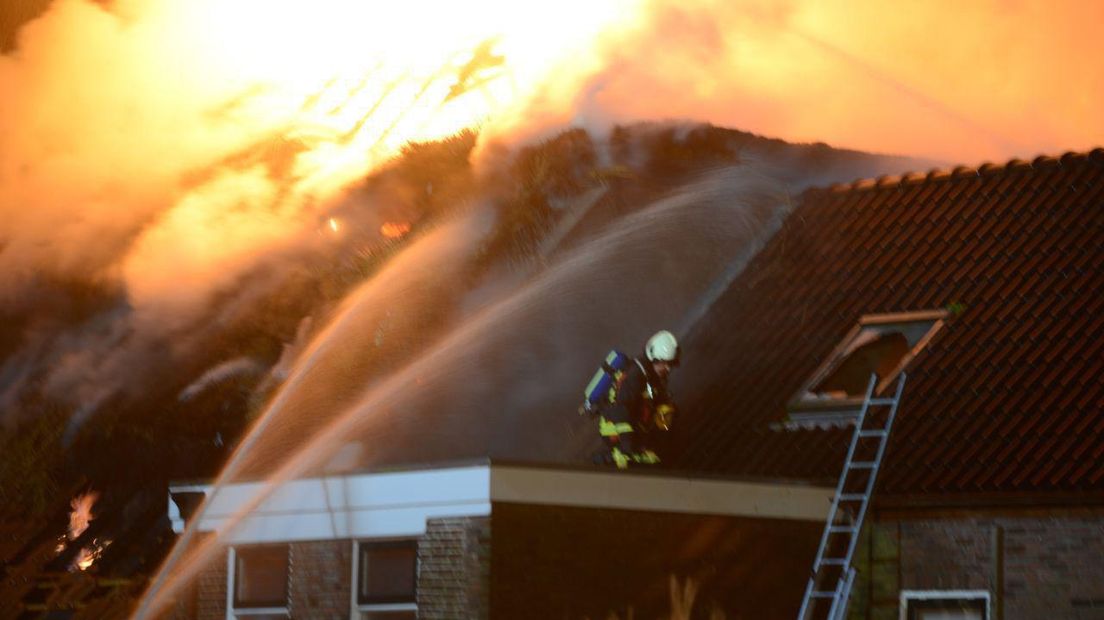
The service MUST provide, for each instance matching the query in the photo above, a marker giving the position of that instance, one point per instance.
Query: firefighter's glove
(664, 415)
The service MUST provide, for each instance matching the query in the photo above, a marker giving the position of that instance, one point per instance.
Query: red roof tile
(1007, 397)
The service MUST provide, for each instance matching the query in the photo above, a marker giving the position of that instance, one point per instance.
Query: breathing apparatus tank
(602, 387)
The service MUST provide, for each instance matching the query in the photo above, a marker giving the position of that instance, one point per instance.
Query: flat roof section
(398, 503)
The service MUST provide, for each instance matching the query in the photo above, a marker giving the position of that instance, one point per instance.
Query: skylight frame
(799, 404)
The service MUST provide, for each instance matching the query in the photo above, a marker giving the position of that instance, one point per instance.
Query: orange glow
(182, 87)
(89, 555)
(394, 230)
(85, 559)
(357, 82)
(333, 224)
(957, 82)
(81, 514)
(144, 147)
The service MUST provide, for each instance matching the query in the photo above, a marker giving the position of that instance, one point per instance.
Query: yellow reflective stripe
(647, 456)
(619, 458)
(607, 428)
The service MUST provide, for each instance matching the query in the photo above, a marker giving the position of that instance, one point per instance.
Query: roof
(399, 502)
(1006, 398)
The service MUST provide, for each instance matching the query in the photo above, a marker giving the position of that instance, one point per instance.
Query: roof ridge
(983, 169)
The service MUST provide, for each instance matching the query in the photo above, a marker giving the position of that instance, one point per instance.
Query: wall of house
(205, 597)
(454, 565)
(318, 584)
(319, 580)
(1033, 566)
(454, 568)
(565, 562)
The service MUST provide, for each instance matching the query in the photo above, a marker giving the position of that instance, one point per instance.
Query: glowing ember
(85, 559)
(81, 515)
(333, 224)
(88, 555)
(394, 230)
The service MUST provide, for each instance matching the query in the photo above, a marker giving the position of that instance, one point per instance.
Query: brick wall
(1032, 567)
(454, 568)
(319, 583)
(209, 592)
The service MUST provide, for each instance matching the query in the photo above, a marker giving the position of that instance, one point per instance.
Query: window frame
(799, 404)
(907, 597)
(233, 611)
(357, 608)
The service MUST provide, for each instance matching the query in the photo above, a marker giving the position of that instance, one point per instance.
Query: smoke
(948, 81)
(155, 153)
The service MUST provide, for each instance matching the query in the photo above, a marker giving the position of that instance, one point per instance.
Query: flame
(394, 230)
(79, 519)
(222, 129)
(348, 87)
(271, 108)
(355, 84)
(89, 555)
(84, 559)
(81, 514)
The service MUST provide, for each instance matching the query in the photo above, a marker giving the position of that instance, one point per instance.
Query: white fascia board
(397, 504)
(354, 506)
(660, 494)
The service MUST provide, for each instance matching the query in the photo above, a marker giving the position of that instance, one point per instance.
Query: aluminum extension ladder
(852, 496)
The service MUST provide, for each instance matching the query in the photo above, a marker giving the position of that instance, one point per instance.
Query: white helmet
(662, 347)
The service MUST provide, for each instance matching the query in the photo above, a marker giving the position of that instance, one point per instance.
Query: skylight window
(881, 344)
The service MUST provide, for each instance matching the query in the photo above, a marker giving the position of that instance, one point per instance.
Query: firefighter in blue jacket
(637, 402)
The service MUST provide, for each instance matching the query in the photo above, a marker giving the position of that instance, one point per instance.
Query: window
(386, 578)
(944, 605)
(881, 344)
(259, 585)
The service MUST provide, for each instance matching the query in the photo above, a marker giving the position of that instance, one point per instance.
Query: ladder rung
(864, 465)
(834, 561)
(852, 497)
(821, 594)
(873, 433)
(841, 528)
(882, 401)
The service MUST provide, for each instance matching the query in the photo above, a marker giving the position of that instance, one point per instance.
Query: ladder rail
(842, 591)
(843, 595)
(819, 558)
(872, 480)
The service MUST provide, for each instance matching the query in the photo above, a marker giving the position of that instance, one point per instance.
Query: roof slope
(1005, 399)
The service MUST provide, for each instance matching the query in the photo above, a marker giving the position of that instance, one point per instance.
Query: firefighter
(639, 403)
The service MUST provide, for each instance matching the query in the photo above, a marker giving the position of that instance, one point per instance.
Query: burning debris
(89, 555)
(80, 517)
